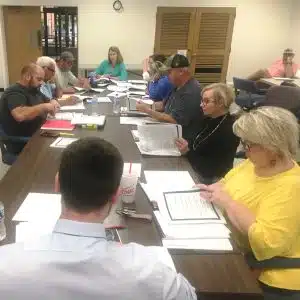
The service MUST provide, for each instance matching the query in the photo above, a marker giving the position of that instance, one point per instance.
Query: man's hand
(84, 83)
(182, 145)
(52, 107)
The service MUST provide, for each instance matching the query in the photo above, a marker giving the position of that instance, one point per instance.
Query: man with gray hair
(64, 78)
(48, 87)
(182, 106)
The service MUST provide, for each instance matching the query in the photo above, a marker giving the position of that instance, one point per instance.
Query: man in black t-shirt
(182, 105)
(23, 108)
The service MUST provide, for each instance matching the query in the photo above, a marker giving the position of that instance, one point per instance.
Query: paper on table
(62, 142)
(198, 244)
(132, 101)
(188, 205)
(159, 139)
(77, 106)
(66, 115)
(85, 119)
(39, 207)
(115, 88)
(135, 168)
(104, 100)
(191, 231)
(136, 120)
(79, 89)
(136, 93)
(138, 81)
(163, 256)
(135, 135)
(141, 87)
(116, 94)
(97, 90)
(26, 231)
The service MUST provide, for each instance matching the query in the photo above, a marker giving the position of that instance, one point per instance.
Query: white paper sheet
(103, 100)
(97, 90)
(26, 231)
(77, 106)
(188, 205)
(79, 89)
(139, 87)
(115, 88)
(136, 93)
(135, 168)
(62, 142)
(38, 207)
(132, 101)
(136, 120)
(159, 139)
(66, 115)
(191, 231)
(85, 119)
(138, 81)
(116, 94)
(199, 244)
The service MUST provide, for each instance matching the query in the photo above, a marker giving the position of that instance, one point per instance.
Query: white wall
(294, 33)
(261, 29)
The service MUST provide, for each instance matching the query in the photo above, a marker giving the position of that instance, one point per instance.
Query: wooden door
(174, 29)
(212, 44)
(23, 37)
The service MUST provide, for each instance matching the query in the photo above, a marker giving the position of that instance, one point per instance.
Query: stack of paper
(186, 220)
(62, 125)
(138, 81)
(62, 142)
(90, 120)
(116, 94)
(66, 115)
(77, 106)
(159, 139)
(137, 121)
(115, 88)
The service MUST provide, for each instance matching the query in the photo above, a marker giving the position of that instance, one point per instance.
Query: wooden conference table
(215, 275)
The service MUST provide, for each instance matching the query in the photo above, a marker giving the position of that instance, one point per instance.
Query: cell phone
(49, 133)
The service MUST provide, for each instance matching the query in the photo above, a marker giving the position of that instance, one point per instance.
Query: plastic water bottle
(94, 106)
(116, 105)
(2, 224)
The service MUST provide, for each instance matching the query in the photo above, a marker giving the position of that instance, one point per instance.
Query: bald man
(23, 108)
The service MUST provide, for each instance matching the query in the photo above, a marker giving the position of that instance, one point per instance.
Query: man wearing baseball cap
(182, 106)
(64, 78)
(283, 67)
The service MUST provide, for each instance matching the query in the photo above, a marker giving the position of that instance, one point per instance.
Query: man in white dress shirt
(76, 261)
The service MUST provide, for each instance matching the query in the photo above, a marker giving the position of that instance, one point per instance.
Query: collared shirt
(48, 90)
(77, 262)
(64, 79)
(183, 105)
(277, 69)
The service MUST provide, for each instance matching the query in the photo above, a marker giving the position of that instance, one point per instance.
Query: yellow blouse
(275, 201)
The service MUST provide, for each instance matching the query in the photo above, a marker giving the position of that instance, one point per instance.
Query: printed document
(62, 142)
(159, 139)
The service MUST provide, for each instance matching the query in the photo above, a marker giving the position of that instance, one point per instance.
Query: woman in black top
(212, 151)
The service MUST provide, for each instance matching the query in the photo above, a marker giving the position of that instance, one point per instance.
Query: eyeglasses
(206, 101)
(50, 69)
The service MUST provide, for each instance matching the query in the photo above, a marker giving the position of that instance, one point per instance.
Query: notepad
(63, 125)
(77, 106)
(62, 142)
(66, 115)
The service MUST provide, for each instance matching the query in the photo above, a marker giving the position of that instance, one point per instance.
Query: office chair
(248, 95)
(9, 158)
(285, 97)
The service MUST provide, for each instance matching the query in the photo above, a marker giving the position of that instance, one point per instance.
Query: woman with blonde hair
(212, 151)
(113, 67)
(159, 86)
(260, 198)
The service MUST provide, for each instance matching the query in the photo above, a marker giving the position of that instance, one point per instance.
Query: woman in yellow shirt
(261, 198)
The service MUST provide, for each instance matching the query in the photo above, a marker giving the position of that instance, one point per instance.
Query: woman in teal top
(113, 67)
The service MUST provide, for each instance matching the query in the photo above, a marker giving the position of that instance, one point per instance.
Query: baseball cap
(66, 55)
(288, 52)
(177, 61)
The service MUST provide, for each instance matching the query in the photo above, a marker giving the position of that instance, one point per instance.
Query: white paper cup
(128, 187)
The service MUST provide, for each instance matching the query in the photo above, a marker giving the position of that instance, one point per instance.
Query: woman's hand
(182, 145)
(216, 194)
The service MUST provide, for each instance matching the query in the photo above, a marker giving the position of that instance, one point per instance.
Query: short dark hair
(89, 174)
